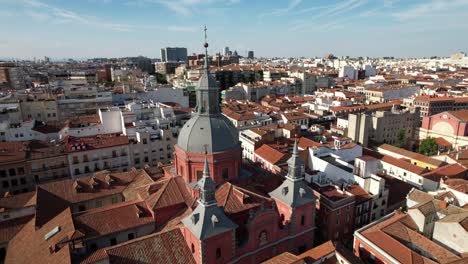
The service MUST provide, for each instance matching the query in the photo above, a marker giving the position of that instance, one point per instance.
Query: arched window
(263, 238)
(193, 248)
(302, 220)
(218, 253)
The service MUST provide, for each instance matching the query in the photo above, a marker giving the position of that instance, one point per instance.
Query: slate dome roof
(210, 133)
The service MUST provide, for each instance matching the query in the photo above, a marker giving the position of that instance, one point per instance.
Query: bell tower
(296, 202)
(207, 230)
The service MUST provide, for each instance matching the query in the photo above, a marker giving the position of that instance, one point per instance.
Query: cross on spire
(206, 48)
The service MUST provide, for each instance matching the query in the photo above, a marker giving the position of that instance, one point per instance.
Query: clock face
(444, 116)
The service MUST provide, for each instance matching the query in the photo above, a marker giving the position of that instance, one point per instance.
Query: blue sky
(117, 28)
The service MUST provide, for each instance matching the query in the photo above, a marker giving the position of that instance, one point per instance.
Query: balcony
(53, 167)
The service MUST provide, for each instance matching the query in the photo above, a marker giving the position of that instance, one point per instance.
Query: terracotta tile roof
(131, 192)
(295, 116)
(30, 245)
(284, 258)
(167, 192)
(318, 252)
(427, 208)
(56, 196)
(304, 143)
(360, 194)
(175, 221)
(114, 218)
(391, 245)
(12, 151)
(329, 191)
(409, 236)
(18, 201)
(412, 155)
(460, 185)
(78, 121)
(271, 155)
(450, 171)
(433, 99)
(75, 144)
(235, 199)
(384, 105)
(394, 161)
(165, 247)
(239, 116)
(419, 196)
(443, 142)
(9, 228)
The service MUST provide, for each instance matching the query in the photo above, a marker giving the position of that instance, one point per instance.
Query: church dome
(208, 133)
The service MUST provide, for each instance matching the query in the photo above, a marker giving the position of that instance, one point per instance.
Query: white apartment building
(103, 152)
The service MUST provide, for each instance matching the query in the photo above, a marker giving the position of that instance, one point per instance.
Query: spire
(207, 187)
(206, 50)
(295, 148)
(206, 170)
(294, 190)
(295, 164)
(207, 91)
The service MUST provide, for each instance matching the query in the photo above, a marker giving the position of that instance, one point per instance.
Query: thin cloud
(429, 8)
(291, 6)
(183, 7)
(340, 8)
(43, 12)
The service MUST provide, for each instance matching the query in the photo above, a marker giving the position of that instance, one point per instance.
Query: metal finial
(206, 49)
(206, 38)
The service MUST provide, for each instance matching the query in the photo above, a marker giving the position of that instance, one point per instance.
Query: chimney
(76, 186)
(443, 204)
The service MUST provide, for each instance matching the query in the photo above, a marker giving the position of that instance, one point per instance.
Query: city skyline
(295, 28)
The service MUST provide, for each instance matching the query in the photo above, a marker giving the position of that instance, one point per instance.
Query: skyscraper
(250, 54)
(169, 54)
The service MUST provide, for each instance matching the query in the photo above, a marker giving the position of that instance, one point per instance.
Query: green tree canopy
(428, 146)
(401, 138)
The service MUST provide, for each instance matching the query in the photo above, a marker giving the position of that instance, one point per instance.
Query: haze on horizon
(288, 28)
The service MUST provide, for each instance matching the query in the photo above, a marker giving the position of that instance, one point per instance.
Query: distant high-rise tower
(250, 54)
(173, 54)
(226, 51)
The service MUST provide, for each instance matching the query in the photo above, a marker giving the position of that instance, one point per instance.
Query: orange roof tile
(270, 154)
(318, 252)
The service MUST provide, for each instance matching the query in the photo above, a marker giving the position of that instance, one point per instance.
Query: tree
(160, 78)
(401, 138)
(428, 146)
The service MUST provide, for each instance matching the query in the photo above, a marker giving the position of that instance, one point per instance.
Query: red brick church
(206, 208)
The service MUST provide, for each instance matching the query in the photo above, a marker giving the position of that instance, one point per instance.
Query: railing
(60, 166)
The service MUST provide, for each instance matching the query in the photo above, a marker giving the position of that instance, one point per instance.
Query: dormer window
(302, 192)
(214, 220)
(285, 190)
(195, 218)
(263, 238)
